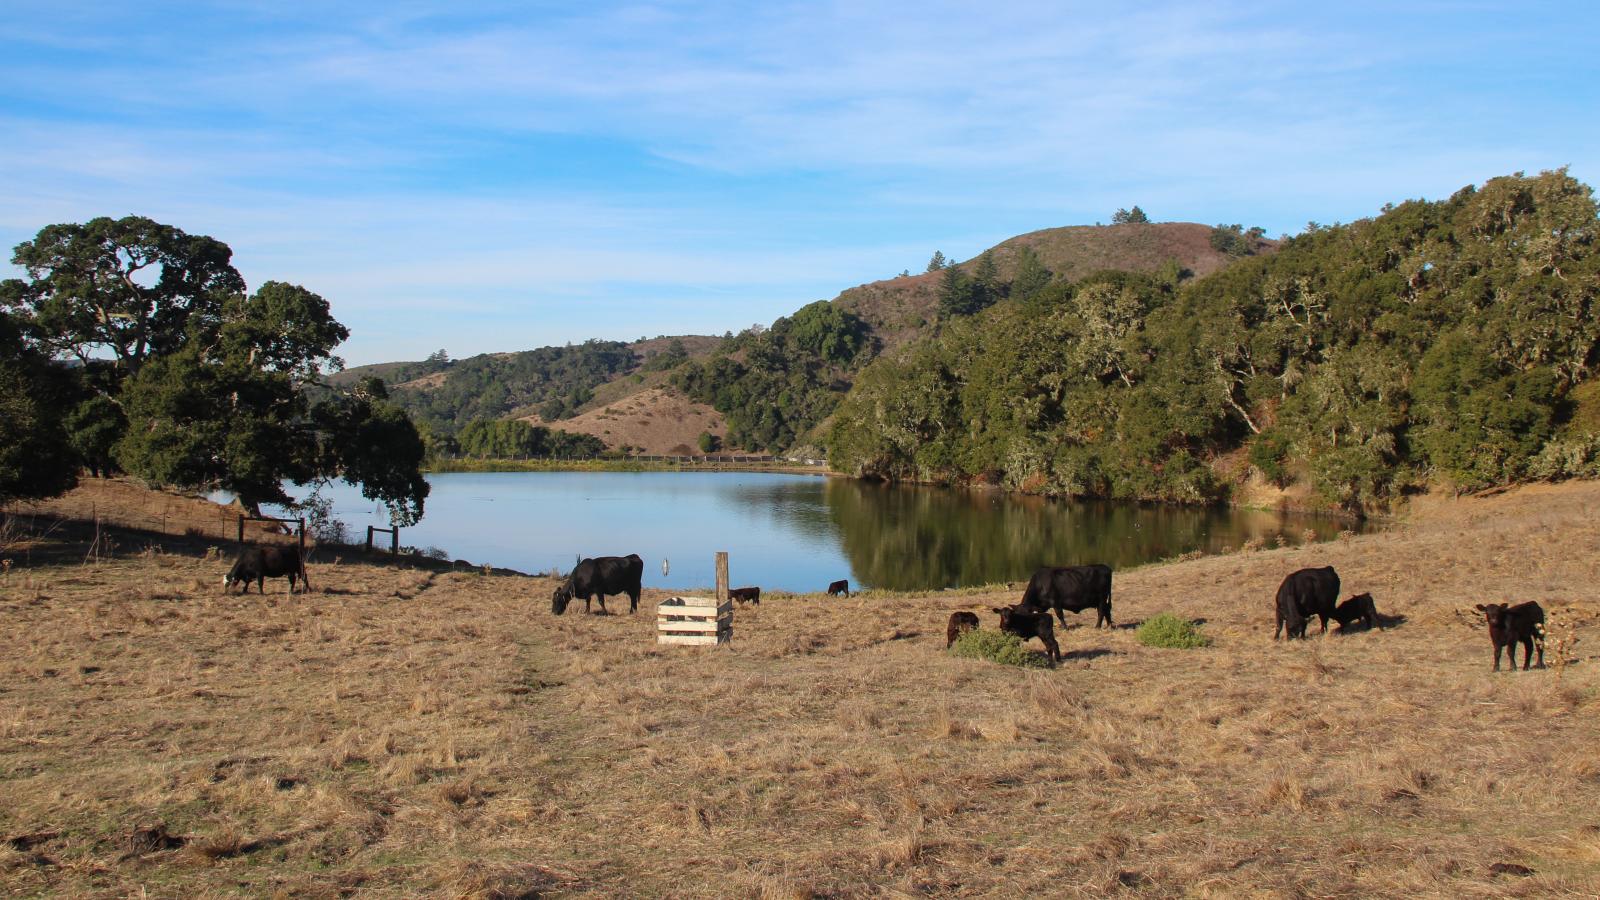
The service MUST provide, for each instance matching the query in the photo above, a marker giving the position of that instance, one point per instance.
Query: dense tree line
(1442, 341)
(773, 385)
(134, 346)
(552, 381)
(515, 439)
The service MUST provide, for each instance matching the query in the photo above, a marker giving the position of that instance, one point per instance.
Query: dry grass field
(400, 733)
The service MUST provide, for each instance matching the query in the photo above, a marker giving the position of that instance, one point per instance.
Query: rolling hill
(625, 395)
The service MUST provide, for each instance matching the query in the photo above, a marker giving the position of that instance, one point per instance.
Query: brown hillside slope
(897, 308)
(656, 420)
(400, 733)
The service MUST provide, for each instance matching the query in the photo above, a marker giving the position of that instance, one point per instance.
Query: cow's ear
(1481, 608)
(996, 609)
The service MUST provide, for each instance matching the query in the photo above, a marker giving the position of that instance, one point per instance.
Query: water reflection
(905, 537)
(799, 532)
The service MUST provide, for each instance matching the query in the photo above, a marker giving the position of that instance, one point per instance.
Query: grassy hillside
(402, 732)
(900, 309)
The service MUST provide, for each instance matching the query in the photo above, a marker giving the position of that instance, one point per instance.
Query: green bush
(997, 646)
(1168, 630)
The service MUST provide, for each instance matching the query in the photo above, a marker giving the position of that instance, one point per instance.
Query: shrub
(1168, 630)
(999, 647)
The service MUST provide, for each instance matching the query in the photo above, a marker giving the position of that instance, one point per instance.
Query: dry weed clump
(1559, 637)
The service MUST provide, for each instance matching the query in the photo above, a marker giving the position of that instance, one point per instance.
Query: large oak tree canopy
(185, 379)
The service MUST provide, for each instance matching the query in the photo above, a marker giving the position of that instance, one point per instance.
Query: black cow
(1026, 622)
(842, 586)
(1358, 613)
(1071, 589)
(960, 623)
(258, 563)
(745, 595)
(600, 576)
(1306, 593)
(1511, 625)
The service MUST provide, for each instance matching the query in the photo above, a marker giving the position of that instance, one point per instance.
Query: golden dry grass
(401, 733)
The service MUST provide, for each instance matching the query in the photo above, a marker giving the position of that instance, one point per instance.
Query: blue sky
(500, 176)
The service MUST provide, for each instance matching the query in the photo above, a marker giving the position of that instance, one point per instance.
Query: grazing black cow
(745, 595)
(842, 586)
(1071, 589)
(1306, 593)
(600, 576)
(960, 623)
(1026, 622)
(1511, 625)
(258, 563)
(1358, 613)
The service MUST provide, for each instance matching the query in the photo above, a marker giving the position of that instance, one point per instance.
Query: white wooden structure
(694, 620)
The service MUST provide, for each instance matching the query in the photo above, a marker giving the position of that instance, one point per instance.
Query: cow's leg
(1539, 642)
(1279, 629)
(1527, 652)
(633, 602)
(1497, 659)
(603, 610)
(1048, 638)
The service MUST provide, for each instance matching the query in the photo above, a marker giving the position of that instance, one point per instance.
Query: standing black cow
(600, 576)
(258, 563)
(842, 586)
(1512, 625)
(1306, 593)
(1071, 589)
(745, 595)
(1026, 622)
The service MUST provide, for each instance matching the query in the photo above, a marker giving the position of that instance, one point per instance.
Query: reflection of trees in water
(907, 537)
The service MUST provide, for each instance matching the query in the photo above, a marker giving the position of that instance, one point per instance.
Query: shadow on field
(44, 541)
(1092, 653)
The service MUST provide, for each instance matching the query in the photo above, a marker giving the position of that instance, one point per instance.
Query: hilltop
(900, 309)
(626, 394)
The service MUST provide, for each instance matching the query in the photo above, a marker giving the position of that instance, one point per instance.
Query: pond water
(799, 532)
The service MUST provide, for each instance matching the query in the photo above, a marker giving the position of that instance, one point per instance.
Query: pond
(799, 532)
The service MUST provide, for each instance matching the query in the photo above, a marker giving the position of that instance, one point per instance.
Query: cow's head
(1006, 613)
(1495, 613)
(560, 599)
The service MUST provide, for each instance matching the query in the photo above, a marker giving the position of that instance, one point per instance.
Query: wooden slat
(670, 627)
(669, 620)
(689, 602)
(694, 639)
(705, 610)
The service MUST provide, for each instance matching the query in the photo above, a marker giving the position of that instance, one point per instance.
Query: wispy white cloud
(713, 159)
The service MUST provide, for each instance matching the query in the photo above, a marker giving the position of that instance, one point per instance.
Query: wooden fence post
(722, 577)
(369, 538)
